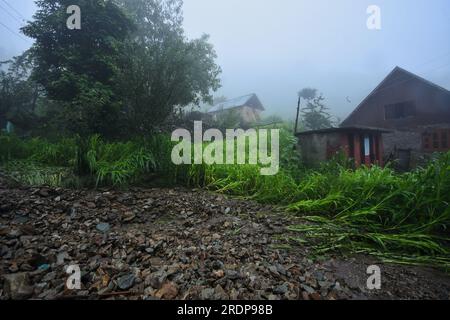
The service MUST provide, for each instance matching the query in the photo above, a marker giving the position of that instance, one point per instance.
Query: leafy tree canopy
(167, 71)
(19, 95)
(80, 67)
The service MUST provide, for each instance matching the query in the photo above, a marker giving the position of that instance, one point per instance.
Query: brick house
(363, 145)
(415, 111)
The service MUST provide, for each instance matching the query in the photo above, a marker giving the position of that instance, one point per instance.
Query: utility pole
(298, 113)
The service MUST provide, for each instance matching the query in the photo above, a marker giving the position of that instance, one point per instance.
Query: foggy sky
(276, 47)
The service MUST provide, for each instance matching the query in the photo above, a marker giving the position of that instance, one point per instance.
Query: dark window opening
(444, 140)
(426, 142)
(400, 110)
(435, 141)
(351, 146)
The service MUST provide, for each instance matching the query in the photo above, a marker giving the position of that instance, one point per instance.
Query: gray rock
(308, 289)
(49, 276)
(103, 227)
(61, 257)
(128, 216)
(324, 284)
(21, 219)
(282, 289)
(220, 293)
(207, 294)
(217, 265)
(319, 276)
(17, 286)
(273, 269)
(281, 269)
(126, 282)
(233, 275)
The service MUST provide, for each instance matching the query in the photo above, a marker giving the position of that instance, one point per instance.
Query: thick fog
(275, 48)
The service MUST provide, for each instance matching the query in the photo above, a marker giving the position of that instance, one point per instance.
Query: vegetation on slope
(397, 217)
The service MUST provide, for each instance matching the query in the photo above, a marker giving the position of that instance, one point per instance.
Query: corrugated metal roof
(233, 103)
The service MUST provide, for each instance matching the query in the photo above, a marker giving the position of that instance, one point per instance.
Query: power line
(9, 14)
(12, 8)
(12, 31)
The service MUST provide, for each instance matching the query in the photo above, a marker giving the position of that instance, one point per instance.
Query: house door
(366, 149)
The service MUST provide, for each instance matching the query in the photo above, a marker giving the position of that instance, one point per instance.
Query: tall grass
(108, 163)
(399, 217)
(59, 153)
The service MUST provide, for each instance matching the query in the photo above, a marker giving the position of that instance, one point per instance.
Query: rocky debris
(17, 286)
(172, 244)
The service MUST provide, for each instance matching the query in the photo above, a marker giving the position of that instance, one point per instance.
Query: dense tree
(166, 71)
(315, 115)
(306, 94)
(19, 95)
(80, 68)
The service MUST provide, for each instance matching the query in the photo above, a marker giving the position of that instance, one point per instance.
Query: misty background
(275, 48)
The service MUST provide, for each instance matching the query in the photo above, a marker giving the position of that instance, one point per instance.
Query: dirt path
(175, 244)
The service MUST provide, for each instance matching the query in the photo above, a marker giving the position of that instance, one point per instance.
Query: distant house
(414, 110)
(248, 107)
(362, 144)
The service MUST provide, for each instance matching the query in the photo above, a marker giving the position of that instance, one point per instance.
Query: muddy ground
(176, 244)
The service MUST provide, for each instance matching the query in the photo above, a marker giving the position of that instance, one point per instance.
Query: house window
(444, 140)
(400, 110)
(436, 140)
(426, 142)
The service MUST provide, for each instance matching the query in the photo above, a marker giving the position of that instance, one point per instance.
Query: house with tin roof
(249, 108)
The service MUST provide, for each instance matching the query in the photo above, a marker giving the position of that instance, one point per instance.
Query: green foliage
(315, 115)
(60, 153)
(307, 93)
(118, 163)
(79, 68)
(165, 70)
(19, 95)
(124, 74)
(109, 163)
